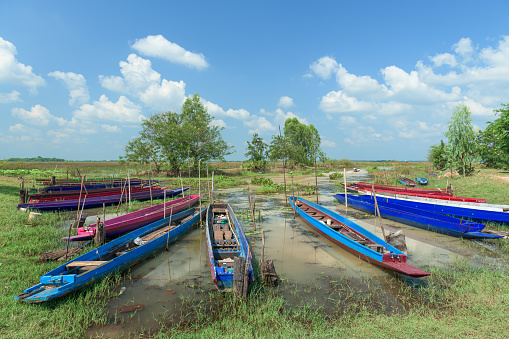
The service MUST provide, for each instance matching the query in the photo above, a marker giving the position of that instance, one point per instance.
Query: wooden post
(121, 195)
(284, 165)
(164, 205)
(79, 200)
(208, 183)
(346, 196)
(377, 210)
(104, 214)
(263, 245)
(246, 274)
(316, 183)
(239, 264)
(212, 191)
(150, 187)
(129, 178)
(181, 184)
(189, 171)
(251, 207)
(199, 186)
(169, 229)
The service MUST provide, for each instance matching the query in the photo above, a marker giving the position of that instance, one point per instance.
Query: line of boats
(151, 229)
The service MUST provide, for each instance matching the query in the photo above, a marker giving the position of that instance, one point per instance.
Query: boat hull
(394, 261)
(63, 282)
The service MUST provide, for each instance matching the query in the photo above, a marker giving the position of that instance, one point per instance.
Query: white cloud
(6, 98)
(259, 125)
(285, 102)
(76, 84)
(38, 115)
(362, 87)
(324, 67)
(122, 111)
(137, 75)
(463, 47)
(14, 72)
(327, 143)
(167, 96)
(111, 128)
(444, 59)
(340, 102)
(241, 114)
(219, 123)
(18, 128)
(158, 46)
(281, 117)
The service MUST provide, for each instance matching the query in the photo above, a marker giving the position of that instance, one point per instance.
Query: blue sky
(379, 80)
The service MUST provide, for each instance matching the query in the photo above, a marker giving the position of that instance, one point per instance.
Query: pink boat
(134, 220)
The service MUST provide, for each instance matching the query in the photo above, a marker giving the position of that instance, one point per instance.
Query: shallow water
(178, 279)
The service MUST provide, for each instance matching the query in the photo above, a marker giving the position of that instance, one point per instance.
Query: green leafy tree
(461, 137)
(437, 155)
(493, 142)
(300, 143)
(257, 153)
(170, 138)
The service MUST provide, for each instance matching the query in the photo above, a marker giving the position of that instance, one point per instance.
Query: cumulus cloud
(111, 128)
(14, 72)
(6, 98)
(324, 67)
(219, 123)
(259, 125)
(159, 47)
(165, 96)
(444, 59)
(122, 111)
(76, 84)
(280, 117)
(340, 102)
(38, 115)
(285, 102)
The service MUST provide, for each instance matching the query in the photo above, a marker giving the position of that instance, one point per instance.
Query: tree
(438, 156)
(300, 143)
(461, 137)
(257, 153)
(170, 138)
(493, 142)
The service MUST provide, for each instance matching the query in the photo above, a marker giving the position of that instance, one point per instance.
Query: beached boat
(37, 196)
(421, 180)
(417, 217)
(405, 189)
(128, 222)
(412, 194)
(354, 238)
(473, 211)
(225, 241)
(90, 194)
(406, 181)
(99, 201)
(118, 254)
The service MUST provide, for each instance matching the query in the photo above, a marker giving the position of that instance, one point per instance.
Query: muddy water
(176, 282)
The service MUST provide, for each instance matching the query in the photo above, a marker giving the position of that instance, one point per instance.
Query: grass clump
(336, 175)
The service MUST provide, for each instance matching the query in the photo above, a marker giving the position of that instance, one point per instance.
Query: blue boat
(479, 212)
(66, 205)
(417, 217)
(421, 180)
(118, 254)
(354, 238)
(406, 181)
(225, 241)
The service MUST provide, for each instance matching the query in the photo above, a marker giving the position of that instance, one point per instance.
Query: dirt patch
(500, 177)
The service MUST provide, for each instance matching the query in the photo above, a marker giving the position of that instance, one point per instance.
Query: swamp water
(174, 285)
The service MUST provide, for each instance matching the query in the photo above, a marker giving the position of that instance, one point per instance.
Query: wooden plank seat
(228, 262)
(74, 264)
(227, 235)
(218, 235)
(376, 247)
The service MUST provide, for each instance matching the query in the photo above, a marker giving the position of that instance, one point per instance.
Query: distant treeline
(37, 159)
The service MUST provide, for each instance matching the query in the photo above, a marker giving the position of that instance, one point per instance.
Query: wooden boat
(134, 220)
(225, 241)
(89, 194)
(421, 180)
(428, 195)
(354, 238)
(420, 190)
(98, 201)
(118, 254)
(417, 217)
(473, 211)
(55, 195)
(406, 181)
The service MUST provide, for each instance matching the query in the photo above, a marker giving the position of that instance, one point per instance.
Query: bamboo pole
(246, 274)
(346, 195)
(316, 183)
(164, 205)
(181, 184)
(79, 200)
(263, 245)
(129, 178)
(377, 210)
(150, 187)
(208, 183)
(199, 188)
(169, 227)
(251, 207)
(121, 196)
(284, 165)
(212, 191)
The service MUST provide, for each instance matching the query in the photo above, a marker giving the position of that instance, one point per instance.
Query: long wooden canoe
(225, 241)
(118, 254)
(354, 238)
(417, 217)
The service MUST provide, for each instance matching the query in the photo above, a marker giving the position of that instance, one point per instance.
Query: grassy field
(455, 302)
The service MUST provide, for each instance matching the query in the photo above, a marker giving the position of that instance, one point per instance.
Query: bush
(334, 176)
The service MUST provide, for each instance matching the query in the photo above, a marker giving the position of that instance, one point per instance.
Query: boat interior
(225, 245)
(340, 227)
